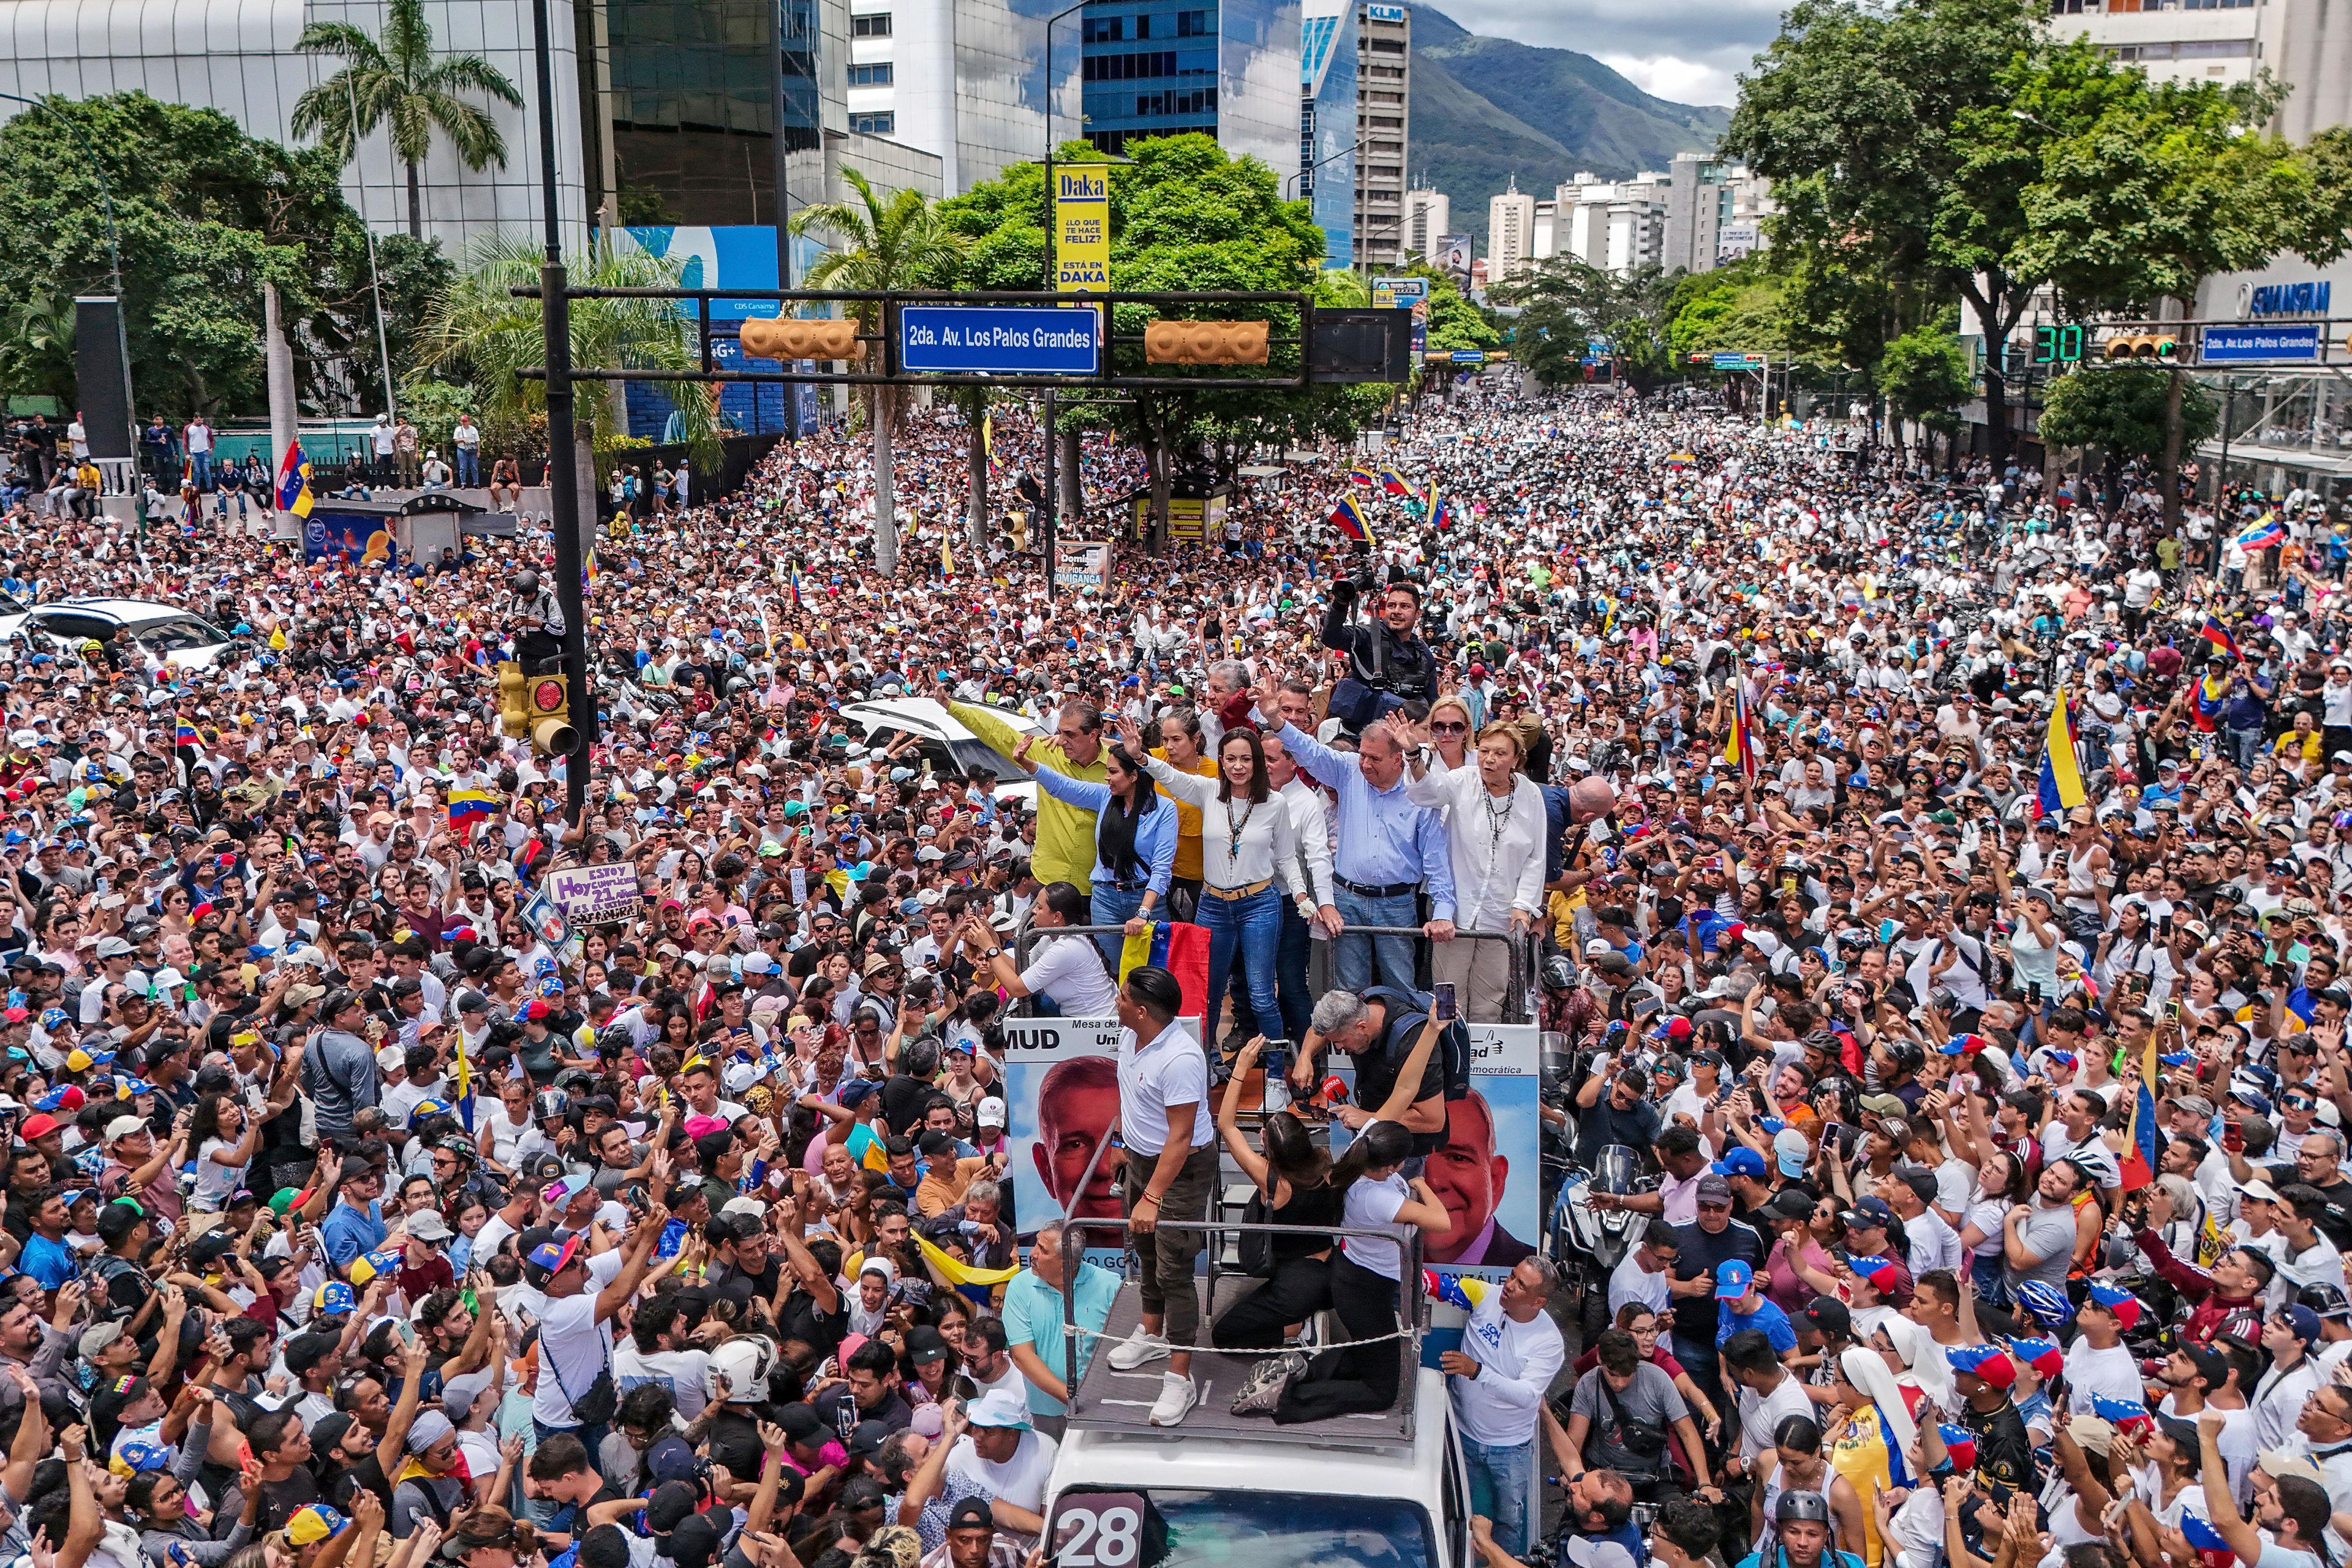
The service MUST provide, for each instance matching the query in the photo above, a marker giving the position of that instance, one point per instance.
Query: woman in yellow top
(1179, 747)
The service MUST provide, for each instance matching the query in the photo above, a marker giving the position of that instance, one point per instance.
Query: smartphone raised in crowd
(1442, 1008)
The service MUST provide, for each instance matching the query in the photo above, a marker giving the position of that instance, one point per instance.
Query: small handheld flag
(1741, 750)
(187, 740)
(469, 805)
(1362, 477)
(2217, 634)
(1350, 518)
(294, 481)
(1393, 483)
(2061, 775)
(2267, 531)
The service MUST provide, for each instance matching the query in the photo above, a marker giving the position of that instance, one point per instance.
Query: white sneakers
(1178, 1394)
(1130, 1354)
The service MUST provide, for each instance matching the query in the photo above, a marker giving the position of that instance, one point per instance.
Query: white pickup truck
(1233, 1491)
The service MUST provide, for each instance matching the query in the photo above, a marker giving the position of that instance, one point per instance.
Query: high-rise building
(1383, 108)
(2229, 41)
(1428, 219)
(1229, 68)
(1510, 233)
(1698, 214)
(1327, 123)
(964, 79)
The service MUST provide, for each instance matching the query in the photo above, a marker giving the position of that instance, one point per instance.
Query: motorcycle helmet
(525, 583)
(738, 1371)
(550, 1104)
(1790, 1506)
(1558, 973)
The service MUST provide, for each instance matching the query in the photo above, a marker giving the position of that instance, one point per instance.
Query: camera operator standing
(1388, 664)
(537, 620)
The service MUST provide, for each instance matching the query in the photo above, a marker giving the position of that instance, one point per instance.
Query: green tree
(479, 333)
(881, 244)
(1897, 167)
(2160, 185)
(2126, 415)
(1569, 304)
(1924, 375)
(205, 215)
(36, 339)
(398, 82)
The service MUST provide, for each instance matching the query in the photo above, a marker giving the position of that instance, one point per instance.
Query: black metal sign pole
(562, 457)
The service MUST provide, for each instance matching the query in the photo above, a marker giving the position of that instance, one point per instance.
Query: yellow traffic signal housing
(512, 712)
(1205, 342)
(546, 700)
(785, 338)
(2163, 346)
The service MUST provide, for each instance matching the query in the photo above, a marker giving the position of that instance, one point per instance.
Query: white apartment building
(1510, 233)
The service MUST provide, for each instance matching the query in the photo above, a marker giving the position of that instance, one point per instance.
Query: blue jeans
(2244, 746)
(470, 466)
(1503, 1488)
(200, 464)
(1355, 959)
(1109, 907)
(1250, 928)
(1290, 973)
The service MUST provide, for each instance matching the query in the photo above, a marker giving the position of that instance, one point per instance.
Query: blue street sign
(1000, 339)
(1469, 356)
(2241, 345)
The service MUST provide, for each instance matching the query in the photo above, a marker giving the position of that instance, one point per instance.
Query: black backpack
(1407, 1012)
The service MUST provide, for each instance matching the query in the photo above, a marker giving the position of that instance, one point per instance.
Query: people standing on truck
(1511, 1351)
(1169, 1170)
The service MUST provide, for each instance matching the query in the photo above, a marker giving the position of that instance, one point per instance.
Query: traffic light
(1205, 342)
(547, 702)
(2162, 346)
(514, 714)
(786, 338)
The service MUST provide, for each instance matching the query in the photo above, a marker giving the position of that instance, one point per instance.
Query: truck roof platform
(1107, 1400)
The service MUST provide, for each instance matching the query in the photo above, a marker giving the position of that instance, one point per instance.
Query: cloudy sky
(1686, 50)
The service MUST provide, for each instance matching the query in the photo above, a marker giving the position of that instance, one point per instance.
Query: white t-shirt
(1069, 969)
(679, 1370)
(1629, 1281)
(1019, 1480)
(1760, 1414)
(573, 1347)
(1934, 1244)
(2112, 1371)
(1371, 1203)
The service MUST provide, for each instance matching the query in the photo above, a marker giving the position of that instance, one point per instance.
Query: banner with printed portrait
(1061, 1098)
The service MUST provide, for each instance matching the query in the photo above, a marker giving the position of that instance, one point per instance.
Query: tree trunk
(886, 506)
(1996, 412)
(976, 536)
(2170, 471)
(1155, 457)
(415, 207)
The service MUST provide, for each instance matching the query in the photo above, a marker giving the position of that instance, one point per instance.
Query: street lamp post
(1289, 180)
(113, 256)
(563, 447)
(1051, 522)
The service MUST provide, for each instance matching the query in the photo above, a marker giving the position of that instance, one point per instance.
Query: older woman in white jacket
(1495, 826)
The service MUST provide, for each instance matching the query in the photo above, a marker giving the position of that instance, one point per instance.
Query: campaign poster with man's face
(1061, 1097)
(1487, 1172)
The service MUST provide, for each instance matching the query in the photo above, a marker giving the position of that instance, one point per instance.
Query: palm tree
(881, 246)
(480, 329)
(399, 82)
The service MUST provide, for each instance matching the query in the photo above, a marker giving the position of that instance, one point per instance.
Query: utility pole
(563, 455)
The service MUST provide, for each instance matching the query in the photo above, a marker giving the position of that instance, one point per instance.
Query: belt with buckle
(1362, 890)
(1234, 895)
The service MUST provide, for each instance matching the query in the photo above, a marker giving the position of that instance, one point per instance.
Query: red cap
(40, 1124)
(538, 1008)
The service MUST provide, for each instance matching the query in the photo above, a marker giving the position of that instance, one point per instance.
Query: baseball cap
(1733, 1279)
(314, 1523)
(1713, 1188)
(2126, 1306)
(1741, 1161)
(999, 1407)
(545, 1257)
(1868, 1212)
(1990, 1363)
(1829, 1316)
(1790, 1151)
(332, 1298)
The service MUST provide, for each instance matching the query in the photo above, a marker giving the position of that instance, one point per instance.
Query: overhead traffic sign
(1469, 356)
(1725, 360)
(2247, 344)
(999, 340)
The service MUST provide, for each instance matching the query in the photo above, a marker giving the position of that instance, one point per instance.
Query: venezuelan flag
(187, 740)
(1179, 948)
(988, 440)
(795, 581)
(2267, 531)
(1440, 511)
(2138, 1166)
(464, 1084)
(294, 481)
(1393, 483)
(466, 806)
(1362, 477)
(1741, 750)
(979, 1285)
(2061, 776)
(1350, 518)
(2217, 634)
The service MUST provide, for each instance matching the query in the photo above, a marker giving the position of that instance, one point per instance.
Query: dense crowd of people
(1986, 1128)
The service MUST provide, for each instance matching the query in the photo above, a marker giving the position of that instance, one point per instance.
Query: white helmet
(737, 1370)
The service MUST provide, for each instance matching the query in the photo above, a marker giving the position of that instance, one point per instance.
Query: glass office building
(1229, 68)
(1327, 123)
(692, 96)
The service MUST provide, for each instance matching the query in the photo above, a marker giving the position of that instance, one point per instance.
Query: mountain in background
(1485, 109)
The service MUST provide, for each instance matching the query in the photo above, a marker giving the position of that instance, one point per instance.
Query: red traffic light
(547, 696)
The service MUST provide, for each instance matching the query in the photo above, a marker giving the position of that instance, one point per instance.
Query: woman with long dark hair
(1247, 846)
(1293, 1177)
(1135, 839)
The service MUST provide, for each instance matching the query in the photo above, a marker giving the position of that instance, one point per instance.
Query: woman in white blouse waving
(1495, 833)
(1249, 864)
